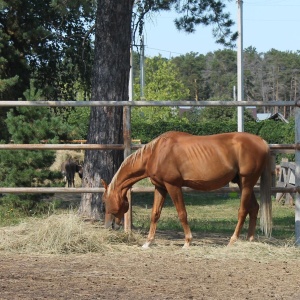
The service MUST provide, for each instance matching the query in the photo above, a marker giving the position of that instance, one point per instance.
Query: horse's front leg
(159, 199)
(177, 197)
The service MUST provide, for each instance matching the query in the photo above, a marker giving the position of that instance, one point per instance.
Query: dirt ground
(164, 272)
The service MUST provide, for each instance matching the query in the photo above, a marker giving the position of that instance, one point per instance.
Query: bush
(274, 132)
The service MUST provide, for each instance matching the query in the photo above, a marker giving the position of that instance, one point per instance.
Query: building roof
(269, 116)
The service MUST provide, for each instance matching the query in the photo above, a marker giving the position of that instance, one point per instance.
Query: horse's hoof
(231, 242)
(186, 246)
(146, 245)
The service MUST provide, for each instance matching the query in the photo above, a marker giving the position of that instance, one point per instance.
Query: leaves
(193, 13)
(49, 41)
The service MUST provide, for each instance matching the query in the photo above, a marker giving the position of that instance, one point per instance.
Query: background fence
(127, 147)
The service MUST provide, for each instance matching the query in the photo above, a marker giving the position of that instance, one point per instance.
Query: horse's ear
(104, 184)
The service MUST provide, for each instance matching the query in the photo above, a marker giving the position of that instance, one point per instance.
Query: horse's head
(116, 203)
(79, 169)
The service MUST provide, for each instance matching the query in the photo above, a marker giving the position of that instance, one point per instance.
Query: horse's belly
(209, 183)
(204, 185)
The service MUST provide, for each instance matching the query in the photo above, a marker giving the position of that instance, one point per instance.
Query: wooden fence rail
(275, 148)
(8, 103)
(127, 146)
(134, 189)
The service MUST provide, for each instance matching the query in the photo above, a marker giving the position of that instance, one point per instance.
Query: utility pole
(142, 69)
(130, 87)
(127, 138)
(240, 67)
(297, 175)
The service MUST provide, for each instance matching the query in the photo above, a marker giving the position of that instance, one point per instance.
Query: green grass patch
(10, 216)
(209, 213)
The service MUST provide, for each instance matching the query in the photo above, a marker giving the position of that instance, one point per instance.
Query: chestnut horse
(205, 163)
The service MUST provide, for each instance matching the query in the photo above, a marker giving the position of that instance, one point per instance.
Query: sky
(267, 24)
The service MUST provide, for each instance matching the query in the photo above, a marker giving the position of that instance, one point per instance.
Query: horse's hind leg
(253, 212)
(245, 205)
(159, 199)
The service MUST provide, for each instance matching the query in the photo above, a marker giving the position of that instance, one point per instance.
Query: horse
(176, 159)
(68, 169)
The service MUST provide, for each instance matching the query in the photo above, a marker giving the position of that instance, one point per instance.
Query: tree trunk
(110, 83)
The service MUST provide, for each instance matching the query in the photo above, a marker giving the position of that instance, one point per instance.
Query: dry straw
(61, 234)
(67, 233)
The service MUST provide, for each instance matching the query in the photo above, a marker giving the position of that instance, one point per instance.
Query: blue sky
(267, 24)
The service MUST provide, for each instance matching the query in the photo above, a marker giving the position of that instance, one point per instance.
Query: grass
(209, 213)
(10, 216)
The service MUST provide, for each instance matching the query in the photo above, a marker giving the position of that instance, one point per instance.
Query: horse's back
(206, 161)
(233, 142)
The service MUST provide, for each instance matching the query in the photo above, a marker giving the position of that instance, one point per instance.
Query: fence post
(127, 152)
(297, 175)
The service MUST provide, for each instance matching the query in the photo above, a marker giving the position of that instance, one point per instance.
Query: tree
(23, 168)
(111, 74)
(110, 83)
(162, 83)
(221, 73)
(47, 41)
(192, 68)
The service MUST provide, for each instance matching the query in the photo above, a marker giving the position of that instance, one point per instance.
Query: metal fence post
(127, 152)
(297, 175)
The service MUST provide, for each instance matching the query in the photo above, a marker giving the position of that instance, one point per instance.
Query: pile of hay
(68, 234)
(62, 234)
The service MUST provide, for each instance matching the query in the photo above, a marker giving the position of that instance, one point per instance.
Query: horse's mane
(131, 159)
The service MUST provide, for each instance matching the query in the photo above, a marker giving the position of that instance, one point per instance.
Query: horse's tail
(265, 198)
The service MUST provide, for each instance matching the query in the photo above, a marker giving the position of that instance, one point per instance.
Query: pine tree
(26, 168)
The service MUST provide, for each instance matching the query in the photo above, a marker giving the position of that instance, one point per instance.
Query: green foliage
(222, 113)
(9, 215)
(23, 168)
(274, 132)
(46, 41)
(220, 73)
(78, 119)
(27, 125)
(75, 120)
(162, 82)
(192, 70)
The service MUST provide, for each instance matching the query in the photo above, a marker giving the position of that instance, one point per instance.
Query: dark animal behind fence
(68, 169)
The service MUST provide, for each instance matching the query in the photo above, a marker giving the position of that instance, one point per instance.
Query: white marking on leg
(146, 245)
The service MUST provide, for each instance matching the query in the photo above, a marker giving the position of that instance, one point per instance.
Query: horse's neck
(131, 171)
(129, 181)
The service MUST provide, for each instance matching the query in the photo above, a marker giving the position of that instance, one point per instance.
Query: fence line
(127, 146)
(146, 103)
(134, 189)
(282, 148)
(275, 148)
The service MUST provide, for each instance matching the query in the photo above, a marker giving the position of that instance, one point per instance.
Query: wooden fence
(286, 178)
(127, 147)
